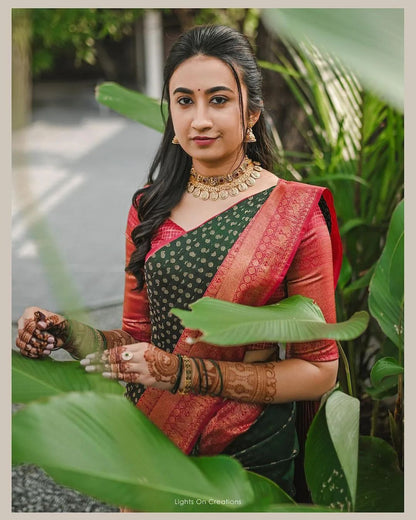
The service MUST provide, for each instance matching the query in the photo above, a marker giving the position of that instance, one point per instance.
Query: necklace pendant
(223, 194)
(204, 195)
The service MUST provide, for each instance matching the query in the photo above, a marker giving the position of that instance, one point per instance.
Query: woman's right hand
(33, 338)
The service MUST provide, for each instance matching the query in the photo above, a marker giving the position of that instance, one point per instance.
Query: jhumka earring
(175, 140)
(250, 137)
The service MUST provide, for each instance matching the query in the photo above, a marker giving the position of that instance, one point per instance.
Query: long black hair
(169, 171)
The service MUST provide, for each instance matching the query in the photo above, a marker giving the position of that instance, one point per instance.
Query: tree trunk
(21, 68)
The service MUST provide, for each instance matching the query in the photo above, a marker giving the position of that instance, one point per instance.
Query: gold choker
(222, 187)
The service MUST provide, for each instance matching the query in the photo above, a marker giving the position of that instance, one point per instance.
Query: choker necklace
(222, 187)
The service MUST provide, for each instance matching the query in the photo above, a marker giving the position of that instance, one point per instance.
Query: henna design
(248, 382)
(161, 365)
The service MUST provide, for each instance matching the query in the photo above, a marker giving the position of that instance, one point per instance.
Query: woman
(214, 221)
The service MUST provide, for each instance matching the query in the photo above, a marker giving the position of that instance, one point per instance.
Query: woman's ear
(253, 117)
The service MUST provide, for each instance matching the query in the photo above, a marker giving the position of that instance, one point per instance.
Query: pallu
(268, 246)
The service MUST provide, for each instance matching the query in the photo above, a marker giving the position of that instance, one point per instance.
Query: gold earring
(175, 140)
(250, 137)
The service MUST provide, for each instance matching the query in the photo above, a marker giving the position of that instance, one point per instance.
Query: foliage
(132, 104)
(78, 30)
(369, 41)
(293, 319)
(105, 447)
(356, 143)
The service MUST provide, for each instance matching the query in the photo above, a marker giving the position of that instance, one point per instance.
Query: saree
(251, 272)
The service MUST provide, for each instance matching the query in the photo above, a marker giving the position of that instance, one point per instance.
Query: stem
(346, 369)
(374, 417)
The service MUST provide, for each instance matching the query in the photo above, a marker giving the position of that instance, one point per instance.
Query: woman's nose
(201, 120)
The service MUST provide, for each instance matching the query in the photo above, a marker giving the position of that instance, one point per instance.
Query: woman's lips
(203, 141)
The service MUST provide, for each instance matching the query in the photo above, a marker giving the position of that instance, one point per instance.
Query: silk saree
(243, 255)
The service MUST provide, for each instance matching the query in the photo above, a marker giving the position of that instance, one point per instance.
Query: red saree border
(262, 253)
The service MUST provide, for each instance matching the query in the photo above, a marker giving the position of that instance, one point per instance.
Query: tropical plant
(105, 447)
(355, 138)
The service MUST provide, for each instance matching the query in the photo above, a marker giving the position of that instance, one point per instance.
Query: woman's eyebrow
(211, 90)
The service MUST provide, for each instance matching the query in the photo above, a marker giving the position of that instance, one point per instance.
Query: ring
(126, 356)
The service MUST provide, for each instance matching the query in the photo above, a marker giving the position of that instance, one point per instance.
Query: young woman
(213, 220)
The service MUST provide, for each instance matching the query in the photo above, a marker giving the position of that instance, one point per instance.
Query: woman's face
(206, 114)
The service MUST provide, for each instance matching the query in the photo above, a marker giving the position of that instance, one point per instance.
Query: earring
(250, 137)
(175, 140)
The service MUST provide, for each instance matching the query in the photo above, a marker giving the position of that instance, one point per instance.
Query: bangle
(188, 375)
(206, 377)
(220, 376)
(196, 361)
(179, 375)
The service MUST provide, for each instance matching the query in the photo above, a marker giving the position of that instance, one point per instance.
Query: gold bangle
(187, 365)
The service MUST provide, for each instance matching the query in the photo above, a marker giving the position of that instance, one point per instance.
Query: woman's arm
(41, 331)
(309, 370)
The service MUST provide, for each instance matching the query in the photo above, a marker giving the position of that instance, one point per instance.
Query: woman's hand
(33, 338)
(137, 363)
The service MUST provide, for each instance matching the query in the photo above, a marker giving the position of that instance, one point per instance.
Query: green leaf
(103, 446)
(131, 104)
(38, 378)
(345, 274)
(384, 367)
(386, 388)
(293, 319)
(331, 452)
(387, 306)
(370, 41)
(380, 481)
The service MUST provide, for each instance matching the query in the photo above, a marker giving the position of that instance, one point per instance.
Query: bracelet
(178, 376)
(188, 375)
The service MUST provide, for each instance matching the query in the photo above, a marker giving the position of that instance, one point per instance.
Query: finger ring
(126, 356)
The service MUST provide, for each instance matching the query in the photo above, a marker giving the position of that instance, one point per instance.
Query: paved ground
(75, 168)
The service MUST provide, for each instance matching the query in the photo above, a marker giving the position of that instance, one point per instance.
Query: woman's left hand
(137, 363)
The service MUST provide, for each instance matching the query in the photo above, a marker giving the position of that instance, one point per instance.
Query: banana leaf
(103, 446)
(293, 319)
(380, 486)
(39, 378)
(331, 452)
(386, 297)
(131, 104)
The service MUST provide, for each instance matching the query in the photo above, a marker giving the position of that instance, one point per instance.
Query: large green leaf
(384, 304)
(37, 378)
(103, 446)
(131, 104)
(370, 41)
(380, 481)
(293, 319)
(331, 452)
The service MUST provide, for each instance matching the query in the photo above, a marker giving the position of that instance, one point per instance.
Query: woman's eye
(219, 100)
(184, 101)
